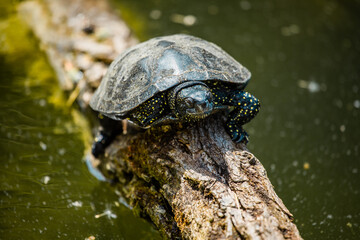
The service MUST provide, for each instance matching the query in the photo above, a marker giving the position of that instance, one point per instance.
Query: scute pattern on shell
(159, 64)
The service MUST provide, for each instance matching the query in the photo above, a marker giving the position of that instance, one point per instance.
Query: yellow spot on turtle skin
(239, 103)
(251, 100)
(101, 116)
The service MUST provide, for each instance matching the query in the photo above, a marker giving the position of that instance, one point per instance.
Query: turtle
(176, 78)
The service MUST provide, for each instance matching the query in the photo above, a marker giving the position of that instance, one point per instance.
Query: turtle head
(191, 101)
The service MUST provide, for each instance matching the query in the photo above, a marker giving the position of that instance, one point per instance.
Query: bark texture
(195, 178)
(191, 181)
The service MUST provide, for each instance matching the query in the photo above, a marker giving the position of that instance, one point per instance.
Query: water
(304, 57)
(46, 191)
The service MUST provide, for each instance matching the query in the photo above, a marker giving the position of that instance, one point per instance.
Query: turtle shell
(159, 64)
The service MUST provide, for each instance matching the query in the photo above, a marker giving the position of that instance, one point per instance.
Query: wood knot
(252, 161)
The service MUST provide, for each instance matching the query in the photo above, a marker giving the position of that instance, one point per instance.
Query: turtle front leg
(246, 106)
(108, 131)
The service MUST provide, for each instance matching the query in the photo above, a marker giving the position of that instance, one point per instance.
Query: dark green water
(46, 191)
(304, 57)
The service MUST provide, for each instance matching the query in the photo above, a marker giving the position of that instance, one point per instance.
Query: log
(190, 180)
(198, 180)
(81, 38)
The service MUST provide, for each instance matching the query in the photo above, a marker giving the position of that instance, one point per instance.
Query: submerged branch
(191, 181)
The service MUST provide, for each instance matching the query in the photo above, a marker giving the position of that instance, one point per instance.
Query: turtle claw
(101, 142)
(238, 134)
(241, 136)
(244, 137)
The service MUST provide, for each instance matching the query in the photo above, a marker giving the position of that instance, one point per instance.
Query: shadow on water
(304, 59)
(46, 191)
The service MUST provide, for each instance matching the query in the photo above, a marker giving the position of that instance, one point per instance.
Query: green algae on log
(192, 182)
(79, 57)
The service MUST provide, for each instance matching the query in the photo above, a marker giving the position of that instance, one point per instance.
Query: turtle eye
(189, 102)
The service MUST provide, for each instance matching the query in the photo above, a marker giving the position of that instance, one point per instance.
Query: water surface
(46, 191)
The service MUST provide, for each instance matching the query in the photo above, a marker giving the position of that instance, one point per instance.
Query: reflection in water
(304, 59)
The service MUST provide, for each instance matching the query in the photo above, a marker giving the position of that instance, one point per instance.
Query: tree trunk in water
(191, 181)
